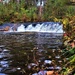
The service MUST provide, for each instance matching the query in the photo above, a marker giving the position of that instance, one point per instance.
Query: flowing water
(49, 27)
(29, 46)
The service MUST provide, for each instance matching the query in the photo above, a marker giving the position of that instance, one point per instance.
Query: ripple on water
(3, 74)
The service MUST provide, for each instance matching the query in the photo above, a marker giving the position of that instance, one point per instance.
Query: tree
(56, 8)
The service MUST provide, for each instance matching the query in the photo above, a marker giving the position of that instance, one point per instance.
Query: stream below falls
(21, 52)
(27, 48)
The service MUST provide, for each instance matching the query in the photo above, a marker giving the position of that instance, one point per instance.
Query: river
(21, 52)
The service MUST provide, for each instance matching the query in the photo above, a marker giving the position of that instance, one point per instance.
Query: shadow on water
(23, 52)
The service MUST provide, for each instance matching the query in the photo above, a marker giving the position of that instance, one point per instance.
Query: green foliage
(27, 11)
(55, 8)
(14, 12)
(70, 63)
(70, 11)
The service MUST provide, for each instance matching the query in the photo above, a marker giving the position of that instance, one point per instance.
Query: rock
(50, 72)
(6, 28)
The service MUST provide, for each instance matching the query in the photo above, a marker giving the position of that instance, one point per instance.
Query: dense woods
(28, 11)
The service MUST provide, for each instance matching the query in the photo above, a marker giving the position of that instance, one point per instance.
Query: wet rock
(50, 72)
(6, 28)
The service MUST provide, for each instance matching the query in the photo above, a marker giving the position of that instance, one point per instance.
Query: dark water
(24, 51)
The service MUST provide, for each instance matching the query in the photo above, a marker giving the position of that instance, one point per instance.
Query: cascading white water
(10, 30)
(34, 29)
(21, 28)
(50, 27)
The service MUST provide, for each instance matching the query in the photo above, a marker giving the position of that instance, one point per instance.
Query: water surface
(27, 49)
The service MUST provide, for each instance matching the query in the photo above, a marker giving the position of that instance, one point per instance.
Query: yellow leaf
(65, 21)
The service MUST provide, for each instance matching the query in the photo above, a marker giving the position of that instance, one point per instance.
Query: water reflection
(29, 52)
(2, 74)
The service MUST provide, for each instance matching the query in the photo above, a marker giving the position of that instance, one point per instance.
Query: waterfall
(51, 27)
(21, 28)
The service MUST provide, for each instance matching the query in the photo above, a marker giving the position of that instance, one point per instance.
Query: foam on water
(21, 28)
(50, 27)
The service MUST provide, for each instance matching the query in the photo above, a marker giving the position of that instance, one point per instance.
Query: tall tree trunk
(40, 9)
